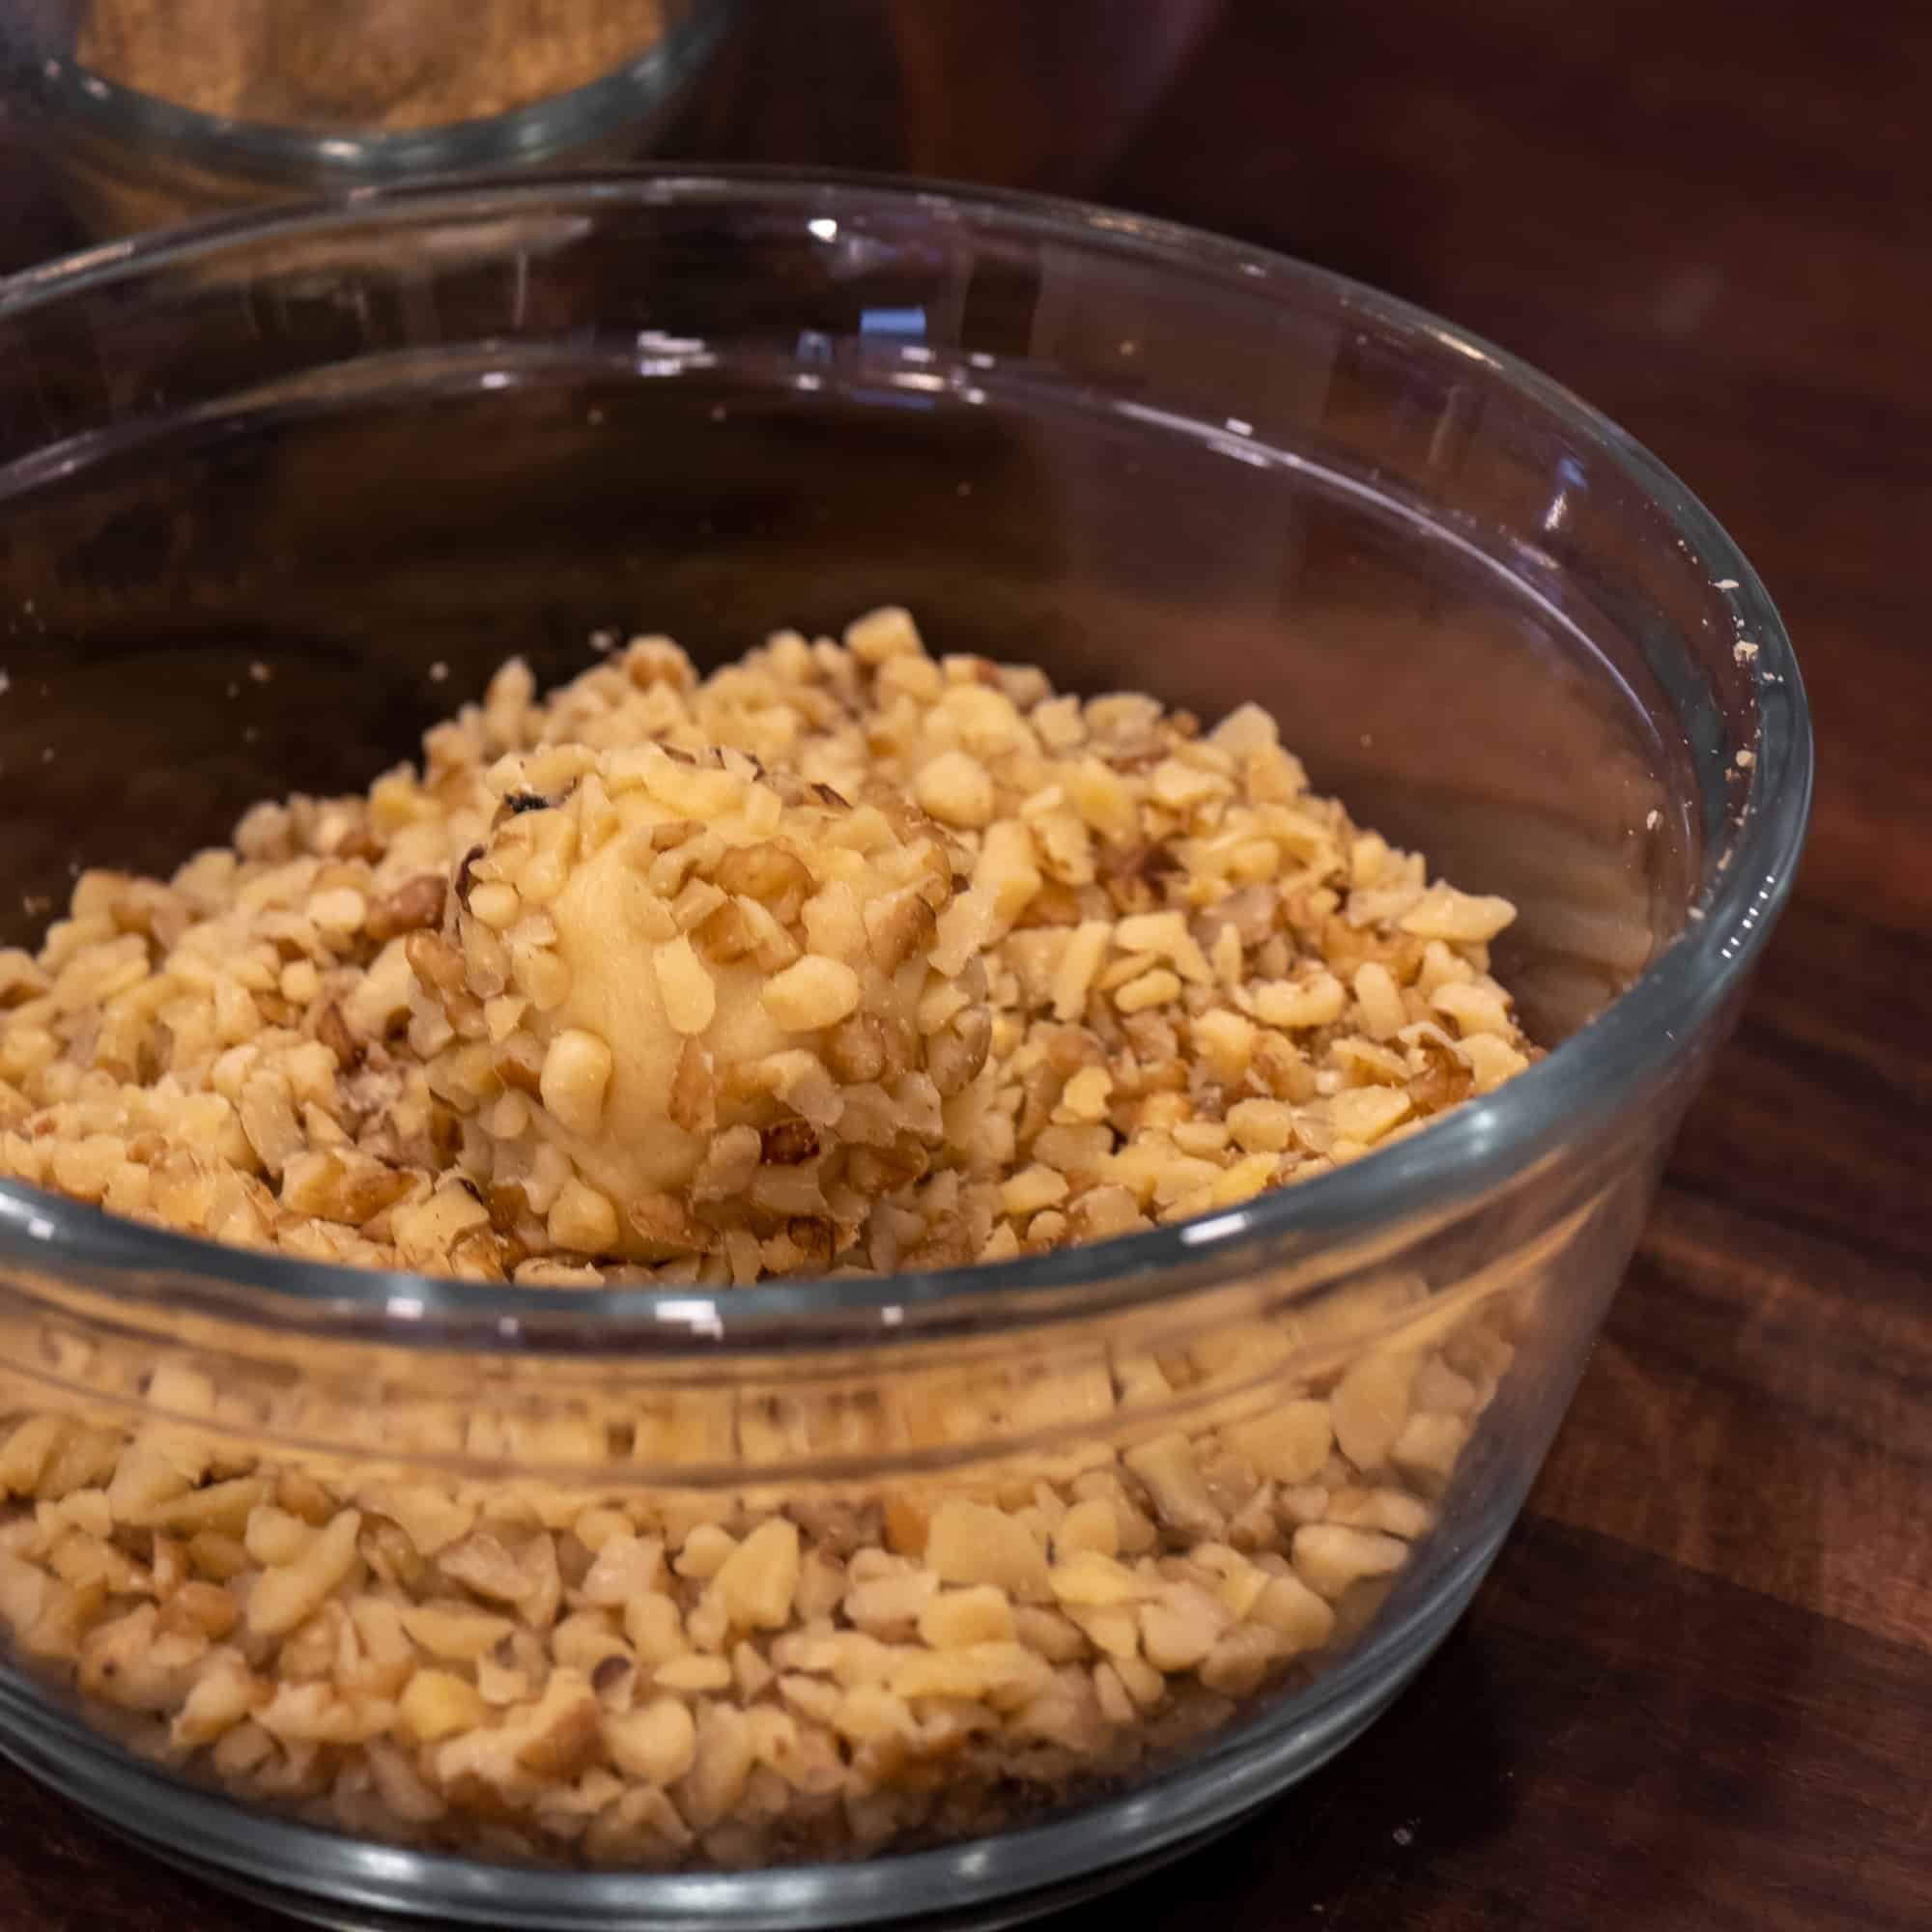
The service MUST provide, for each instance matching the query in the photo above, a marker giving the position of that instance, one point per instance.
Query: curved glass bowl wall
(374, 451)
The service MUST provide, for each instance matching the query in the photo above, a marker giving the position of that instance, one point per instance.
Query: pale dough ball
(687, 999)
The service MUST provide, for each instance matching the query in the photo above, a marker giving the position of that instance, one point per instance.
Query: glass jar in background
(154, 111)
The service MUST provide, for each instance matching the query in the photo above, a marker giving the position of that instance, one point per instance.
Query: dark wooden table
(1696, 1690)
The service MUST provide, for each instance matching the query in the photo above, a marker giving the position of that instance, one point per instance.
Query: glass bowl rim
(328, 158)
(1481, 1146)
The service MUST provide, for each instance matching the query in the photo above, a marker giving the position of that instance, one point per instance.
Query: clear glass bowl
(158, 110)
(279, 491)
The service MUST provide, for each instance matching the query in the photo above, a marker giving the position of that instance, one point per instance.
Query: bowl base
(355, 1886)
(316, 1905)
(306, 1909)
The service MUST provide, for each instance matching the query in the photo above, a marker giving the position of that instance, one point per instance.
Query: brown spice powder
(388, 63)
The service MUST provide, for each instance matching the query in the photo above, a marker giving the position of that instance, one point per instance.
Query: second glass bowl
(158, 110)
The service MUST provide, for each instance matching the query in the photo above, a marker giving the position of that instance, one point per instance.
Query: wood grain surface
(1696, 1690)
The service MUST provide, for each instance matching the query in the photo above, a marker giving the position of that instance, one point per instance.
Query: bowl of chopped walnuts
(157, 110)
(829, 1016)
